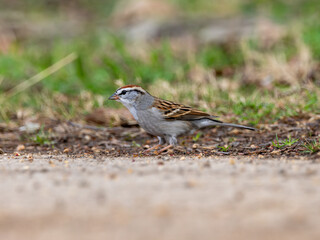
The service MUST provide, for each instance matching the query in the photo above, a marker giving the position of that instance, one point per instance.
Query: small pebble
(21, 147)
(66, 150)
(232, 162)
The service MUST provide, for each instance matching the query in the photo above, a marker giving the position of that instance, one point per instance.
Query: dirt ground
(59, 137)
(158, 197)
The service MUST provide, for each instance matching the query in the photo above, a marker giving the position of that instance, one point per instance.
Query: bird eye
(123, 92)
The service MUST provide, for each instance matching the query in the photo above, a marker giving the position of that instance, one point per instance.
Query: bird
(165, 119)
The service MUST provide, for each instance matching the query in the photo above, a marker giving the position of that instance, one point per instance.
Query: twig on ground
(78, 125)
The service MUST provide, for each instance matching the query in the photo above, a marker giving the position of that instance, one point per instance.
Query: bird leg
(165, 148)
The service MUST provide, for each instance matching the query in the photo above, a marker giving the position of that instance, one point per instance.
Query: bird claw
(146, 152)
(149, 149)
(164, 149)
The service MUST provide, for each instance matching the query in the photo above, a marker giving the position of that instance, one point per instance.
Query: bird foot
(152, 148)
(164, 149)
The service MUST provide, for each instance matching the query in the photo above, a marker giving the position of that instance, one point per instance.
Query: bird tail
(207, 122)
(236, 126)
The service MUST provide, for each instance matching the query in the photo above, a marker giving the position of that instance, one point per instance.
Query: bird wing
(171, 110)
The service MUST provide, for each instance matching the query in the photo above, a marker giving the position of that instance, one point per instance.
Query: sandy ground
(60, 197)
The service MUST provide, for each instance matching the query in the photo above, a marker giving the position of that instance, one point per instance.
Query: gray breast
(152, 122)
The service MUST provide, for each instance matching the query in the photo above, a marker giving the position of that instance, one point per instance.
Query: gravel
(64, 197)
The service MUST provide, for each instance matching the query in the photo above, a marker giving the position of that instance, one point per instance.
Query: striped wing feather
(177, 111)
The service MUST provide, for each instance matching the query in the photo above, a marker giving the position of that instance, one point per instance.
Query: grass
(246, 81)
(252, 110)
(285, 142)
(135, 144)
(196, 137)
(312, 147)
(224, 148)
(43, 138)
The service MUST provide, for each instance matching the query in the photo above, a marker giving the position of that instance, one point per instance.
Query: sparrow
(165, 119)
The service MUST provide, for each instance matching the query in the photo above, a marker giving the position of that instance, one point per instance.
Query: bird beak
(114, 97)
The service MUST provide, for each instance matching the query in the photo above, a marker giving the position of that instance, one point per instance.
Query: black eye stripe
(133, 90)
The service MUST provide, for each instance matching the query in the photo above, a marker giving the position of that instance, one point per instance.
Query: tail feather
(207, 122)
(236, 126)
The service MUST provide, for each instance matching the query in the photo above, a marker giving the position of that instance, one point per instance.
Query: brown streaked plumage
(173, 110)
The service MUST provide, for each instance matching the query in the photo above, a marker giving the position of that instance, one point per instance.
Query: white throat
(131, 108)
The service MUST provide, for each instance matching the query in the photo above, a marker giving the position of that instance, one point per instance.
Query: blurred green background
(254, 61)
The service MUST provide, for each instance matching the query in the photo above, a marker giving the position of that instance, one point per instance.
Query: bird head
(129, 94)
